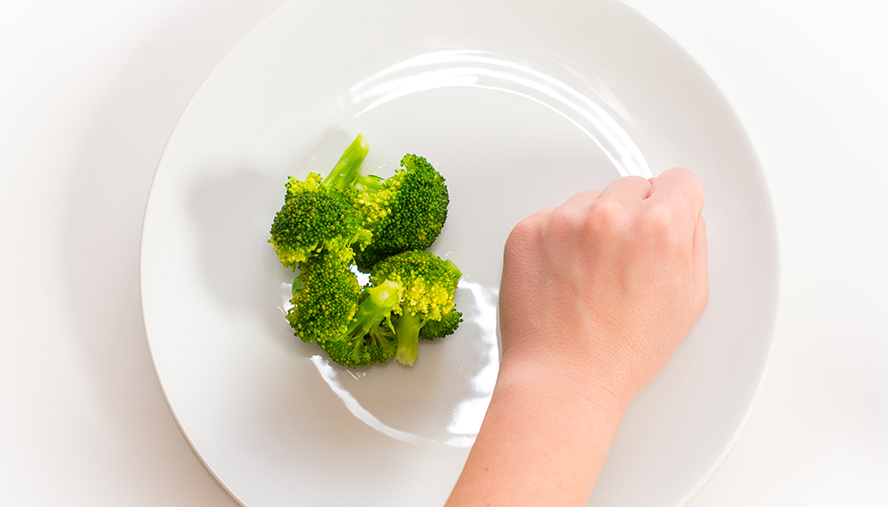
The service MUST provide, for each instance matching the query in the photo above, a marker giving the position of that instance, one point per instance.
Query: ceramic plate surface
(519, 105)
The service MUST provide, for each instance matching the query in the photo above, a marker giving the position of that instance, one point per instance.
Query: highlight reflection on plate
(480, 69)
(519, 107)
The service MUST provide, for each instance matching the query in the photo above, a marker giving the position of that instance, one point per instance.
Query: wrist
(544, 439)
(572, 380)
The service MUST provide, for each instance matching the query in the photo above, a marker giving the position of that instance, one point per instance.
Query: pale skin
(596, 296)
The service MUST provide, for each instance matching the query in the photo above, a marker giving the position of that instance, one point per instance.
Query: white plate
(519, 105)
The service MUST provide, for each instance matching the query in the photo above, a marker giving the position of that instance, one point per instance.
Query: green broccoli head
(440, 328)
(315, 219)
(326, 297)
(427, 285)
(369, 337)
(406, 212)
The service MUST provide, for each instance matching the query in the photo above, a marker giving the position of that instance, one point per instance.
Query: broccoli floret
(434, 329)
(427, 287)
(440, 328)
(320, 215)
(369, 337)
(406, 212)
(325, 299)
(316, 219)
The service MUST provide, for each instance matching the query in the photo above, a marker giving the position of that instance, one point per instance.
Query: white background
(90, 90)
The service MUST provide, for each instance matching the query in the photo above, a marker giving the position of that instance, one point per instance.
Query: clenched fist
(596, 295)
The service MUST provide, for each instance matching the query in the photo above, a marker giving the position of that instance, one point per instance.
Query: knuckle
(608, 217)
(660, 220)
(664, 228)
(522, 234)
(561, 221)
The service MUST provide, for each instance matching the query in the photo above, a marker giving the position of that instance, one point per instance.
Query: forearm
(544, 439)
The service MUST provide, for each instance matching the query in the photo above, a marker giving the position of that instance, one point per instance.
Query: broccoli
(325, 299)
(427, 287)
(327, 226)
(405, 212)
(346, 176)
(369, 337)
(440, 328)
(320, 215)
(316, 219)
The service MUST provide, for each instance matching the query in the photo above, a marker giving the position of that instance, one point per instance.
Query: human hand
(596, 295)
(606, 286)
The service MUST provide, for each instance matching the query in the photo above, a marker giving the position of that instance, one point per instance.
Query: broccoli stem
(452, 268)
(407, 331)
(375, 308)
(369, 183)
(346, 170)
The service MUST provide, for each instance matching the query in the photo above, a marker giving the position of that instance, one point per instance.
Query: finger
(631, 188)
(681, 188)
